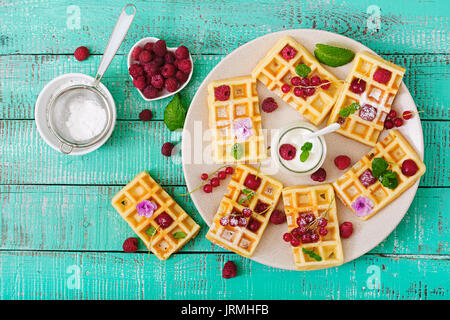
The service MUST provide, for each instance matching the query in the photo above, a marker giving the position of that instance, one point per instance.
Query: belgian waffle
(274, 71)
(163, 242)
(242, 104)
(378, 95)
(316, 200)
(394, 149)
(241, 239)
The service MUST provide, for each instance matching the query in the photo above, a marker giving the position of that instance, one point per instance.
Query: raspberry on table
(167, 148)
(146, 115)
(229, 270)
(269, 105)
(367, 112)
(81, 53)
(130, 245)
(182, 52)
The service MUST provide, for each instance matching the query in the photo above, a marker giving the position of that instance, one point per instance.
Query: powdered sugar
(86, 120)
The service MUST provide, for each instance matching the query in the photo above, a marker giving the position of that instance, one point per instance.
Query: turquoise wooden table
(61, 238)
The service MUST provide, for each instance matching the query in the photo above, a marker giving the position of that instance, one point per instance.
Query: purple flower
(243, 128)
(146, 208)
(362, 206)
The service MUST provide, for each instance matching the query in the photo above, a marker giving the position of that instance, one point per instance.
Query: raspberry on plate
(342, 162)
(145, 56)
(171, 84)
(185, 65)
(168, 70)
(150, 92)
(160, 48)
(278, 217)
(157, 81)
(346, 230)
(287, 151)
(136, 70)
(320, 175)
(382, 76)
(140, 82)
(136, 52)
(169, 57)
(288, 52)
(269, 105)
(181, 76)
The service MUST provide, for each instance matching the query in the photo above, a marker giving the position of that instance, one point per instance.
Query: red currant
(314, 237)
(407, 115)
(204, 176)
(299, 92)
(323, 231)
(315, 81)
(287, 237)
(215, 182)
(322, 222)
(325, 84)
(392, 114)
(398, 122)
(207, 188)
(306, 238)
(388, 124)
(295, 81)
(295, 242)
(229, 170)
(309, 91)
(222, 175)
(286, 88)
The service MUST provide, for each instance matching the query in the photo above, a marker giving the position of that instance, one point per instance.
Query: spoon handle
(328, 129)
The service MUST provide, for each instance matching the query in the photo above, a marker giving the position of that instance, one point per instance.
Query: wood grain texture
(81, 218)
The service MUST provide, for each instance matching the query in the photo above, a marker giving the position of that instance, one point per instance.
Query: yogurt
(295, 135)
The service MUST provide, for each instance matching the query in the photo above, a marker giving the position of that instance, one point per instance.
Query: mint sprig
(249, 195)
(312, 254)
(387, 178)
(306, 148)
(379, 165)
(347, 111)
(151, 231)
(175, 113)
(302, 70)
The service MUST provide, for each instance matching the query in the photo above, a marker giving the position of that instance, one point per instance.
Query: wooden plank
(135, 146)
(22, 77)
(219, 27)
(52, 275)
(81, 218)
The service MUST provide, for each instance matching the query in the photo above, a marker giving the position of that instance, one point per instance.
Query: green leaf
(247, 191)
(304, 156)
(346, 112)
(389, 179)
(302, 70)
(333, 56)
(237, 151)
(379, 165)
(175, 114)
(179, 235)
(307, 146)
(151, 231)
(312, 254)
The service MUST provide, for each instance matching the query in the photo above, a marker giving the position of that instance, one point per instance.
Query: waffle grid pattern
(274, 71)
(238, 239)
(163, 243)
(378, 95)
(316, 200)
(243, 103)
(394, 149)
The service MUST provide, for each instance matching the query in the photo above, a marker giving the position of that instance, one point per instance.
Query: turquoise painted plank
(54, 275)
(135, 146)
(219, 27)
(81, 218)
(22, 77)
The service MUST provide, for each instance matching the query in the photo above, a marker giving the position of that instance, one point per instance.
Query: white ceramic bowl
(164, 93)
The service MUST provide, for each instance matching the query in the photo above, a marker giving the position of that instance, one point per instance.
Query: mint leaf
(237, 151)
(307, 146)
(175, 113)
(379, 165)
(179, 235)
(302, 70)
(389, 179)
(151, 231)
(346, 112)
(304, 156)
(312, 254)
(247, 191)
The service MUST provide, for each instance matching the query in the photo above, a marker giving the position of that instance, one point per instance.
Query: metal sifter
(57, 110)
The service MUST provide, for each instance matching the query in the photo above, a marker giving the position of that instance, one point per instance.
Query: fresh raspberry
(287, 151)
(164, 220)
(136, 52)
(325, 84)
(171, 84)
(167, 148)
(278, 217)
(382, 75)
(150, 92)
(315, 80)
(169, 57)
(140, 82)
(366, 178)
(269, 105)
(168, 70)
(288, 52)
(388, 124)
(346, 230)
(160, 48)
(252, 182)
(222, 93)
(320, 175)
(157, 81)
(81, 53)
(136, 70)
(409, 168)
(229, 270)
(159, 61)
(151, 68)
(146, 115)
(181, 76)
(182, 52)
(367, 112)
(342, 162)
(185, 65)
(145, 56)
(148, 46)
(130, 245)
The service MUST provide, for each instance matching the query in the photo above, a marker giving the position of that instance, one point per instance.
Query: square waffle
(378, 95)
(394, 149)
(162, 243)
(241, 239)
(274, 71)
(315, 200)
(242, 104)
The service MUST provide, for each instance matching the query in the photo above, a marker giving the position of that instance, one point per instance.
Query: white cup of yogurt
(294, 135)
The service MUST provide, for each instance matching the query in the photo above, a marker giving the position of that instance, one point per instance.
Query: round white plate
(196, 155)
(42, 102)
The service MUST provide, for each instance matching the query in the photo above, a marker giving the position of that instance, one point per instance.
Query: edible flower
(362, 206)
(243, 128)
(146, 208)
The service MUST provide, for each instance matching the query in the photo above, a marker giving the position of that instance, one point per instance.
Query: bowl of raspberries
(158, 71)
